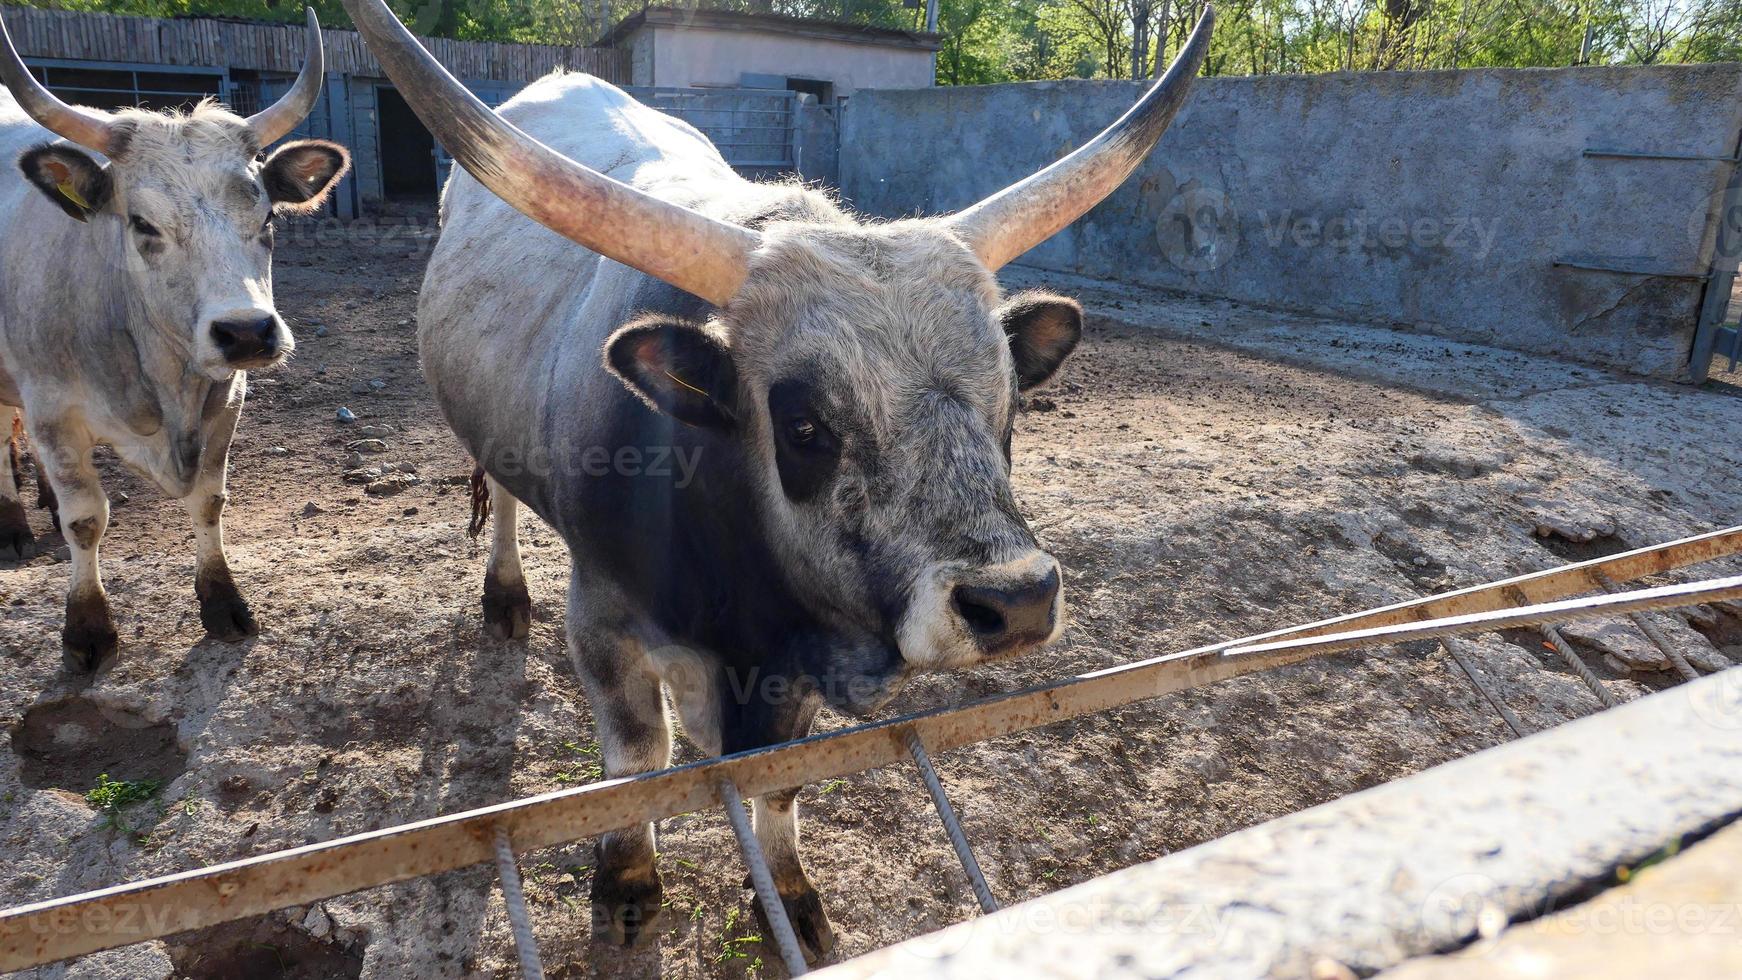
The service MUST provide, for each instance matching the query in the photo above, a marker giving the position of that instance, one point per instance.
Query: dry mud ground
(1203, 471)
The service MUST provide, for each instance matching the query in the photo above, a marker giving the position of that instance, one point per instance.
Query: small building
(672, 47)
(763, 88)
(112, 61)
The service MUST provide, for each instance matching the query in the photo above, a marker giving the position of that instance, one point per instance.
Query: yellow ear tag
(68, 191)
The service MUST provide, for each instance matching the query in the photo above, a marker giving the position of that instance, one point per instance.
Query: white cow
(135, 294)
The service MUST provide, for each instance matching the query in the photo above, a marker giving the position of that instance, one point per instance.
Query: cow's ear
(298, 175)
(76, 183)
(1043, 330)
(679, 368)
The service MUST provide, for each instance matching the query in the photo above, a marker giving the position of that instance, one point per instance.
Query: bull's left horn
(695, 253)
(275, 122)
(89, 128)
(1021, 216)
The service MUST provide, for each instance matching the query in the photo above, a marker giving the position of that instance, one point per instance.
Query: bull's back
(512, 316)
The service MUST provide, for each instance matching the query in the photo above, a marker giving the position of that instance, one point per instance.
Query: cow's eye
(266, 226)
(801, 431)
(143, 227)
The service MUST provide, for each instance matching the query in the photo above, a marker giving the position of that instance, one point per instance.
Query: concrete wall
(683, 56)
(1439, 200)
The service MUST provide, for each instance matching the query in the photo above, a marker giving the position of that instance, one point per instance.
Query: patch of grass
(583, 764)
(112, 797)
(735, 947)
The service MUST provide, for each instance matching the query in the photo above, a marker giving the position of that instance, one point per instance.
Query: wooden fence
(206, 42)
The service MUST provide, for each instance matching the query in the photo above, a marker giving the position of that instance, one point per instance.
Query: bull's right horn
(691, 251)
(89, 128)
(1028, 212)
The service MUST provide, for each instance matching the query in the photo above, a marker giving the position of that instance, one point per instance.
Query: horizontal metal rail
(44, 932)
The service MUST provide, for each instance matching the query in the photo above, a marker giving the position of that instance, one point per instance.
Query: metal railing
(44, 932)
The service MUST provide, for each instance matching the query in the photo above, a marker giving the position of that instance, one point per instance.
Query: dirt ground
(1203, 471)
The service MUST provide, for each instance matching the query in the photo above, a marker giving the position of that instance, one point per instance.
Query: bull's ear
(76, 183)
(1043, 330)
(679, 368)
(298, 175)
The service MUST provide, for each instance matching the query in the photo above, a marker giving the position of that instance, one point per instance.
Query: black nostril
(1006, 614)
(980, 608)
(241, 340)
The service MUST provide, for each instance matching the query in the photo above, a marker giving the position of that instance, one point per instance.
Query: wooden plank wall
(265, 47)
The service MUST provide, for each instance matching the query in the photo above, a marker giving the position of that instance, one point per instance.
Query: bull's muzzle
(1012, 607)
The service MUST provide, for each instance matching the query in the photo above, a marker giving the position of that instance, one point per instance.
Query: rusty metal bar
(525, 943)
(1656, 636)
(952, 826)
(785, 939)
(1570, 657)
(1455, 647)
(1726, 589)
(59, 928)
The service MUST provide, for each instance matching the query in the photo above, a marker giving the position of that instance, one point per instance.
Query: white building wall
(699, 56)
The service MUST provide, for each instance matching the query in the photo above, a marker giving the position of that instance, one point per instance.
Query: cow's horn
(89, 128)
(691, 251)
(1021, 216)
(276, 121)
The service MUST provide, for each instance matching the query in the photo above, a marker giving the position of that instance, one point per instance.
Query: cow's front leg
(634, 737)
(63, 454)
(16, 541)
(223, 611)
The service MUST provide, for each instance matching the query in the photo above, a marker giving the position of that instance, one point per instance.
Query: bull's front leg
(507, 605)
(16, 541)
(63, 455)
(634, 737)
(776, 822)
(776, 818)
(223, 611)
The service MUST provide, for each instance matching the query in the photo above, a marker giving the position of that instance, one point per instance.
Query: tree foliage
(1003, 40)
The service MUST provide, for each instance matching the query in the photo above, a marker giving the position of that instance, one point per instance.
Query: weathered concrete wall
(1438, 200)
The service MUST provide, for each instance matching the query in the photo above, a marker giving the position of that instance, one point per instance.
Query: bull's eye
(266, 225)
(143, 227)
(806, 451)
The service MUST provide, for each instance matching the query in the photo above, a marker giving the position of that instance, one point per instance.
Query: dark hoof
(507, 610)
(88, 641)
(816, 934)
(223, 611)
(228, 620)
(16, 541)
(625, 909)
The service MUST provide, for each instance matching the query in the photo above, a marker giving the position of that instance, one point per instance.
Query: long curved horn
(87, 127)
(691, 251)
(1021, 216)
(277, 120)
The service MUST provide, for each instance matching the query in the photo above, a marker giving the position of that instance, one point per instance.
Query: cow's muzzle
(252, 341)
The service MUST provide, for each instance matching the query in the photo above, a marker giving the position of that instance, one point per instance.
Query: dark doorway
(408, 167)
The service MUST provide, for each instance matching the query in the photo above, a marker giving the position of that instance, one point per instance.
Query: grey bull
(135, 295)
(775, 437)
